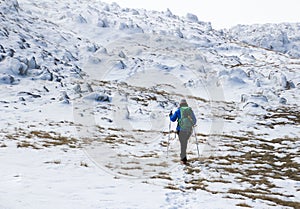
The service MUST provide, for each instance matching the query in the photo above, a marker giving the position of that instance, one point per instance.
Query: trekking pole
(169, 139)
(196, 141)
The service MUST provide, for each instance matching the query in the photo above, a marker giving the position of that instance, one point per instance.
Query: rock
(89, 87)
(80, 19)
(169, 13)
(102, 98)
(103, 23)
(120, 65)
(106, 8)
(6, 79)
(32, 63)
(14, 5)
(102, 50)
(68, 57)
(236, 80)
(11, 65)
(4, 32)
(22, 99)
(290, 85)
(46, 89)
(122, 54)
(179, 33)
(123, 26)
(254, 100)
(77, 89)
(251, 104)
(283, 81)
(2, 50)
(92, 48)
(261, 98)
(2, 57)
(134, 12)
(10, 53)
(45, 74)
(29, 94)
(257, 83)
(77, 72)
(282, 100)
(244, 98)
(280, 79)
(64, 98)
(94, 60)
(192, 17)
(99, 97)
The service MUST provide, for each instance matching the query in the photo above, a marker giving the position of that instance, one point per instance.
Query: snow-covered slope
(86, 89)
(282, 37)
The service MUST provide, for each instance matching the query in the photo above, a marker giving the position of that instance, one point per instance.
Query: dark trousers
(183, 139)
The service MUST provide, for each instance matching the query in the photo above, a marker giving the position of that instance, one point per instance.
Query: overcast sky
(224, 13)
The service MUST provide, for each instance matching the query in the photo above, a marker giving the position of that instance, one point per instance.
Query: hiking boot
(184, 161)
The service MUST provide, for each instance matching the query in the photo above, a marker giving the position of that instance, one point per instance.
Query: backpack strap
(189, 116)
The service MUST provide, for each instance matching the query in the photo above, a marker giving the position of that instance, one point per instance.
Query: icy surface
(86, 89)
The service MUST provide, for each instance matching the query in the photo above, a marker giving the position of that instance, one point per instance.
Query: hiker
(186, 120)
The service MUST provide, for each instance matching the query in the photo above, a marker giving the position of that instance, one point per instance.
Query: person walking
(186, 120)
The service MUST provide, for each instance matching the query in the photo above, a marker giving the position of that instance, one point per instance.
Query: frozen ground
(86, 89)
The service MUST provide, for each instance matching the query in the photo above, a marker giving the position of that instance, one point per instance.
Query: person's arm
(194, 118)
(174, 116)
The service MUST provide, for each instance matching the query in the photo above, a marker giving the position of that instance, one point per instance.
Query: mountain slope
(86, 88)
(282, 37)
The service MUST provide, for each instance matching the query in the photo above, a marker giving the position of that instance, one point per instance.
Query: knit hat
(183, 102)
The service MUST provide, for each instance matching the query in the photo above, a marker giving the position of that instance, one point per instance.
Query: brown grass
(253, 194)
(162, 176)
(41, 139)
(243, 205)
(53, 162)
(2, 145)
(25, 144)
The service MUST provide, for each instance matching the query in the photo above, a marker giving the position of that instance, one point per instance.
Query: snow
(86, 90)
(282, 37)
(35, 179)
